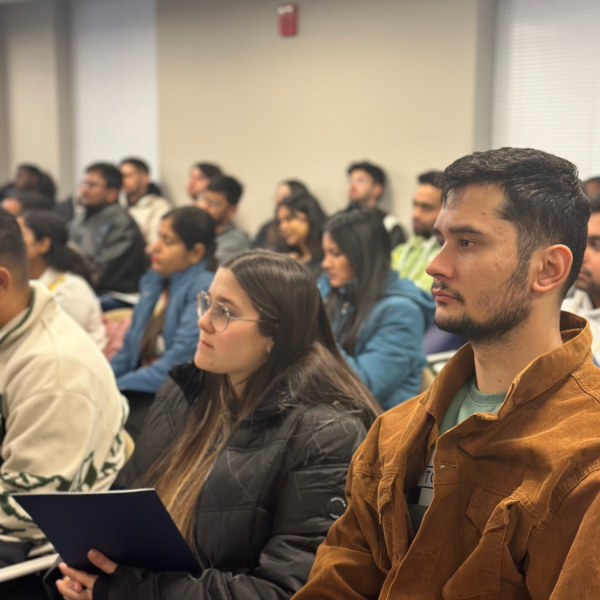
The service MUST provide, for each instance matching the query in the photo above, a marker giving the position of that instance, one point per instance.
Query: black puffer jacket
(267, 504)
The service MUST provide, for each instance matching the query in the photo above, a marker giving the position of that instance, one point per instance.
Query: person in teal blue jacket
(378, 319)
(164, 329)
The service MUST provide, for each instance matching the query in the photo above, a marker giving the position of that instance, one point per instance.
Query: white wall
(114, 81)
(36, 88)
(393, 81)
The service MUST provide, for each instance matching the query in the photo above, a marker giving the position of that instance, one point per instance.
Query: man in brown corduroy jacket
(487, 486)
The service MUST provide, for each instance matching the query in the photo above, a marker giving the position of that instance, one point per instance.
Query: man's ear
(377, 190)
(5, 282)
(111, 195)
(553, 267)
(231, 210)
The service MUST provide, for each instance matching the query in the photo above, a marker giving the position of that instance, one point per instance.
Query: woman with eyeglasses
(163, 331)
(378, 319)
(248, 447)
(301, 221)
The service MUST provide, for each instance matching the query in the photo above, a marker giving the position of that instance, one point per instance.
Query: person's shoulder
(77, 285)
(327, 433)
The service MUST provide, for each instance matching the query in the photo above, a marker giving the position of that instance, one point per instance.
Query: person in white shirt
(586, 300)
(143, 199)
(61, 413)
(62, 270)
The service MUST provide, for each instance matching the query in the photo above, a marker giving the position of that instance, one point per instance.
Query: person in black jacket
(106, 234)
(248, 447)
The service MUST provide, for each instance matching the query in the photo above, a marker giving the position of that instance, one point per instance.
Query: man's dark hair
(376, 173)
(229, 186)
(209, 169)
(13, 252)
(111, 175)
(544, 198)
(139, 165)
(31, 200)
(429, 178)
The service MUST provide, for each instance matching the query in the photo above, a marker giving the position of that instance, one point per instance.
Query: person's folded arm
(47, 448)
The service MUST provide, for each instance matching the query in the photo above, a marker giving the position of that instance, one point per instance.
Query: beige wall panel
(38, 87)
(392, 81)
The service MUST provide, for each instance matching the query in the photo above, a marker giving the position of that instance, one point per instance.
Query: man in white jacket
(61, 414)
(586, 300)
(143, 201)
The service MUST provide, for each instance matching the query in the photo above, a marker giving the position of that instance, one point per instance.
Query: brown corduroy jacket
(515, 513)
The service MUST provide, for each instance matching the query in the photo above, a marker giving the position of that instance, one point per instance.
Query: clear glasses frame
(219, 314)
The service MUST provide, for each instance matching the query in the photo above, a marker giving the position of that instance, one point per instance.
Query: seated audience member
(19, 201)
(61, 413)
(163, 331)
(366, 183)
(411, 258)
(220, 200)
(586, 300)
(143, 203)
(378, 319)
(268, 236)
(106, 234)
(201, 174)
(301, 222)
(30, 178)
(592, 186)
(62, 270)
(486, 485)
(258, 433)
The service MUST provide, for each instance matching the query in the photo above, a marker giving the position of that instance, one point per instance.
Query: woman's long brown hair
(304, 367)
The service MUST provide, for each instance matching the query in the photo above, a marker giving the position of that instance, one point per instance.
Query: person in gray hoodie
(378, 319)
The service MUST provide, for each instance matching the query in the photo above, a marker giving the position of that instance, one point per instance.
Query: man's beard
(591, 287)
(506, 308)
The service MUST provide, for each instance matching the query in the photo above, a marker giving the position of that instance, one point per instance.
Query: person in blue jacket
(378, 319)
(164, 329)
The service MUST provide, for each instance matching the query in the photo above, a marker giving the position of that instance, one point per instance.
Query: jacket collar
(189, 379)
(535, 379)
(41, 304)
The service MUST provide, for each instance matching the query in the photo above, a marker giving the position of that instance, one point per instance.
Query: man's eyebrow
(593, 238)
(464, 230)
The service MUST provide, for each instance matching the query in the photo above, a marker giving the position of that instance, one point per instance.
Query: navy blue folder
(131, 528)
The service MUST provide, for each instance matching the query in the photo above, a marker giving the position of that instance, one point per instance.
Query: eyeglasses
(219, 314)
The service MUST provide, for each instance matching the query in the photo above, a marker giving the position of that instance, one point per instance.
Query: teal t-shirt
(468, 401)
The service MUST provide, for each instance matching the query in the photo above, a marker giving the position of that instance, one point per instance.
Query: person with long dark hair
(248, 447)
(62, 270)
(268, 236)
(163, 331)
(301, 222)
(378, 319)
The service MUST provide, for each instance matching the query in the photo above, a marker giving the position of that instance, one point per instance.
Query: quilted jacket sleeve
(310, 497)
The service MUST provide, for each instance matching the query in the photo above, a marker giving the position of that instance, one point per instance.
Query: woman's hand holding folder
(79, 585)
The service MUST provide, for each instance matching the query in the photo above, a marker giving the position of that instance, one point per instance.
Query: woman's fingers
(99, 560)
(81, 577)
(69, 593)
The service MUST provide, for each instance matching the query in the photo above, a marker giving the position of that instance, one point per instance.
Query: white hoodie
(62, 416)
